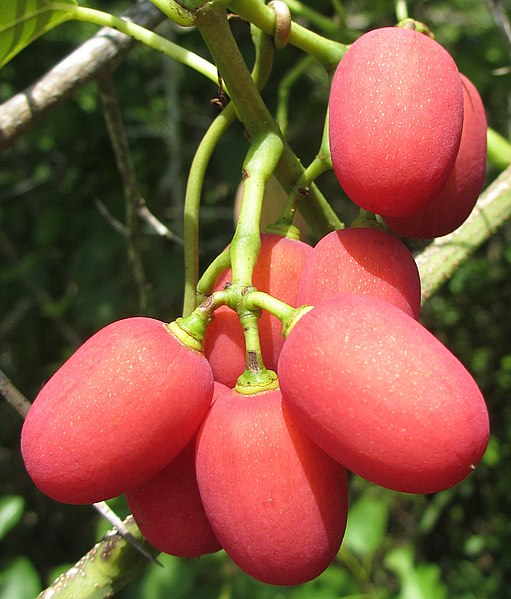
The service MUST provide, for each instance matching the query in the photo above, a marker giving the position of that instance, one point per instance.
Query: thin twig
(102, 52)
(40, 295)
(110, 218)
(13, 395)
(132, 196)
(108, 513)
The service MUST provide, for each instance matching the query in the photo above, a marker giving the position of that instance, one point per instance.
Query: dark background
(64, 273)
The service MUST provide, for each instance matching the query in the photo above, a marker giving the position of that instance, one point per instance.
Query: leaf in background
(22, 21)
(19, 580)
(367, 524)
(417, 581)
(11, 510)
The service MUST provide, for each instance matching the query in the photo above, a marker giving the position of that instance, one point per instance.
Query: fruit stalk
(261, 159)
(214, 27)
(328, 52)
(262, 67)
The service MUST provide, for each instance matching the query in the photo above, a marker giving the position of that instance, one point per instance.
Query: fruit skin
(395, 119)
(168, 508)
(453, 205)
(116, 412)
(381, 395)
(364, 261)
(277, 272)
(276, 502)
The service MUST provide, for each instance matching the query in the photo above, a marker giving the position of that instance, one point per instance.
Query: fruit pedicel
(213, 449)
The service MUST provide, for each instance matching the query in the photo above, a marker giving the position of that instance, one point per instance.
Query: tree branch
(110, 565)
(442, 257)
(102, 52)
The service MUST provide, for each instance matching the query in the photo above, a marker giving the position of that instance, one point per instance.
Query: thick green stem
(256, 377)
(442, 257)
(213, 25)
(401, 10)
(258, 300)
(207, 282)
(149, 38)
(261, 160)
(328, 52)
(105, 569)
(260, 73)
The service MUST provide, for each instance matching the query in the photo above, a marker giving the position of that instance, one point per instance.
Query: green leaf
(417, 581)
(23, 21)
(19, 580)
(367, 524)
(11, 510)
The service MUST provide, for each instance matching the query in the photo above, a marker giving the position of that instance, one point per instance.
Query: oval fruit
(453, 205)
(277, 272)
(116, 412)
(381, 395)
(364, 261)
(395, 119)
(276, 502)
(168, 508)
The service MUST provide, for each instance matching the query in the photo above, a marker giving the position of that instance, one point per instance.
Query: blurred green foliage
(64, 273)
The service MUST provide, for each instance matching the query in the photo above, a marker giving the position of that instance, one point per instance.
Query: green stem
(207, 281)
(285, 87)
(213, 25)
(260, 73)
(328, 52)
(499, 149)
(191, 329)
(175, 12)
(326, 24)
(263, 155)
(256, 377)
(401, 10)
(442, 257)
(259, 300)
(147, 37)
(192, 203)
(321, 163)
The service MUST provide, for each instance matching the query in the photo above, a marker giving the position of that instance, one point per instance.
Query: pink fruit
(168, 508)
(277, 272)
(381, 395)
(118, 411)
(276, 502)
(453, 205)
(364, 261)
(395, 119)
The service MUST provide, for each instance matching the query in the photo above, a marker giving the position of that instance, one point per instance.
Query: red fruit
(380, 394)
(364, 261)
(277, 272)
(169, 511)
(395, 119)
(119, 410)
(452, 206)
(276, 502)
(168, 507)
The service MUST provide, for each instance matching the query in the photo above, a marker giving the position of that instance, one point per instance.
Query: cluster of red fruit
(364, 386)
